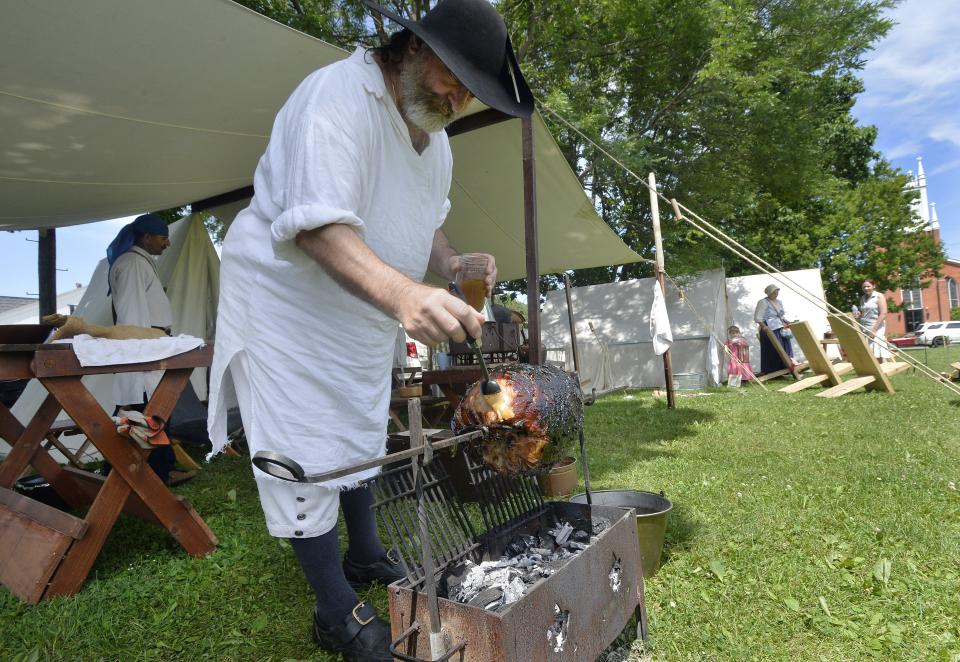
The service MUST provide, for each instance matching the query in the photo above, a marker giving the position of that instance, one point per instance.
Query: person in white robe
(138, 299)
(349, 199)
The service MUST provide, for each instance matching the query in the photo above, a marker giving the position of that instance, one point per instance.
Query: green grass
(802, 529)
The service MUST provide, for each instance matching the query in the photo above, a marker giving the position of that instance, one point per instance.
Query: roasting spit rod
(280, 466)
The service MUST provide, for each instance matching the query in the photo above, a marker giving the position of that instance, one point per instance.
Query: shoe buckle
(357, 618)
(393, 557)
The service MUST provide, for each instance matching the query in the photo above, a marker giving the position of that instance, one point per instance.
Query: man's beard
(422, 107)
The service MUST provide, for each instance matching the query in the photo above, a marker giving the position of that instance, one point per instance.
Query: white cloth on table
(660, 322)
(105, 351)
(138, 300)
(317, 357)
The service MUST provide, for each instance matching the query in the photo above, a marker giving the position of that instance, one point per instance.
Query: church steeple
(922, 188)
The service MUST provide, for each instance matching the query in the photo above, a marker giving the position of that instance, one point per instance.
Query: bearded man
(349, 199)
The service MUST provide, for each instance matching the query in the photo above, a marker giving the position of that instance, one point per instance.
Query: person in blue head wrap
(140, 300)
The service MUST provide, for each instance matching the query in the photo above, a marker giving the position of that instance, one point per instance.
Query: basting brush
(488, 388)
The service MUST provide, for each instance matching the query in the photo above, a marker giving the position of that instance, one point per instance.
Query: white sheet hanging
(713, 361)
(660, 322)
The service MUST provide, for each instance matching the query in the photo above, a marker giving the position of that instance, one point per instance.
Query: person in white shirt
(771, 314)
(349, 199)
(872, 316)
(140, 300)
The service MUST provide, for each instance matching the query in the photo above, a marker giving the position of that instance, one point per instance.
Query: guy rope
(684, 213)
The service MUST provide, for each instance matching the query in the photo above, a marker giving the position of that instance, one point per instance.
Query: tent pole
(576, 368)
(530, 241)
(573, 326)
(658, 242)
(47, 271)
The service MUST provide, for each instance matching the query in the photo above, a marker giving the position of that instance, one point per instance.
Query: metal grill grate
(451, 533)
(505, 503)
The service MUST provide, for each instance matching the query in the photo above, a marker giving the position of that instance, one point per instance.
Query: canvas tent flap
(743, 293)
(110, 108)
(189, 270)
(487, 205)
(619, 350)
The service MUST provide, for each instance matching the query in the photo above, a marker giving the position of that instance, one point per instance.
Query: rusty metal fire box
(575, 613)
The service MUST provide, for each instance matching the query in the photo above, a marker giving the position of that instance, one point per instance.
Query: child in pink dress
(738, 365)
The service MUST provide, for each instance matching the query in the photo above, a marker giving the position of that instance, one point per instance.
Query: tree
(741, 108)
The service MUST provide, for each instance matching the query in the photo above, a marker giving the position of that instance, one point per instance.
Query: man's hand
(428, 314)
(432, 316)
(490, 278)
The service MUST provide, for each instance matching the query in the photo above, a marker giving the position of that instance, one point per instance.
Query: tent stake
(658, 242)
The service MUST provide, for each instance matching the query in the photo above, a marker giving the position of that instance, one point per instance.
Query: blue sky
(912, 95)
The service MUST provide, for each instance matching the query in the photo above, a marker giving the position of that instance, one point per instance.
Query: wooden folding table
(45, 552)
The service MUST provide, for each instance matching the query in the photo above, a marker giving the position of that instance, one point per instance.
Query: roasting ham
(532, 423)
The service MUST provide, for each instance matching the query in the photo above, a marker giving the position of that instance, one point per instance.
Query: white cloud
(912, 78)
(943, 168)
(919, 60)
(906, 148)
(947, 131)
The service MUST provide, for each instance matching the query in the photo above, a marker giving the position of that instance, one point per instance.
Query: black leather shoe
(362, 637)
(386, 570)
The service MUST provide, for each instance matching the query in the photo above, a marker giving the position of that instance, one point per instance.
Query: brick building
(933, 302)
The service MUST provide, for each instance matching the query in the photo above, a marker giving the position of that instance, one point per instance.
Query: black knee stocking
(320, 559)
(365, 546)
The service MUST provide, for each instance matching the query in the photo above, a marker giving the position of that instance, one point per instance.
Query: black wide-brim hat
(470, 37)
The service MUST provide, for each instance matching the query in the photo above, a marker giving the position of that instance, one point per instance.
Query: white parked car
(935, 334)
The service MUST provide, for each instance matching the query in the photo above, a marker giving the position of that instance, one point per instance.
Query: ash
(527, 559)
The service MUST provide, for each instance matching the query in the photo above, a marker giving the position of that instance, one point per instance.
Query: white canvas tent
(620, 352)
(190, 272)
(744, 292)
(114, 107)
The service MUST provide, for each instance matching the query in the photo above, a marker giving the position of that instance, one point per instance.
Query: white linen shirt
(317, 357)
(138, 300)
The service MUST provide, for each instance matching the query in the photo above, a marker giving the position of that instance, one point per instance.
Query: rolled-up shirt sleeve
(443, 213)
(326, 173)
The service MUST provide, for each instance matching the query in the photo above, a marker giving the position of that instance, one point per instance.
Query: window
(953, 292)
(912, 298)
(953, 325)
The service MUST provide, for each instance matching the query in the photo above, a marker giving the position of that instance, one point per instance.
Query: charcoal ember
(599, 525)
(514, 590)
(546, 541)
(580, 535)
(520, 545)
(487, 598)
(579, 546)
(561, 533)
(452, 584)
(538, 423)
